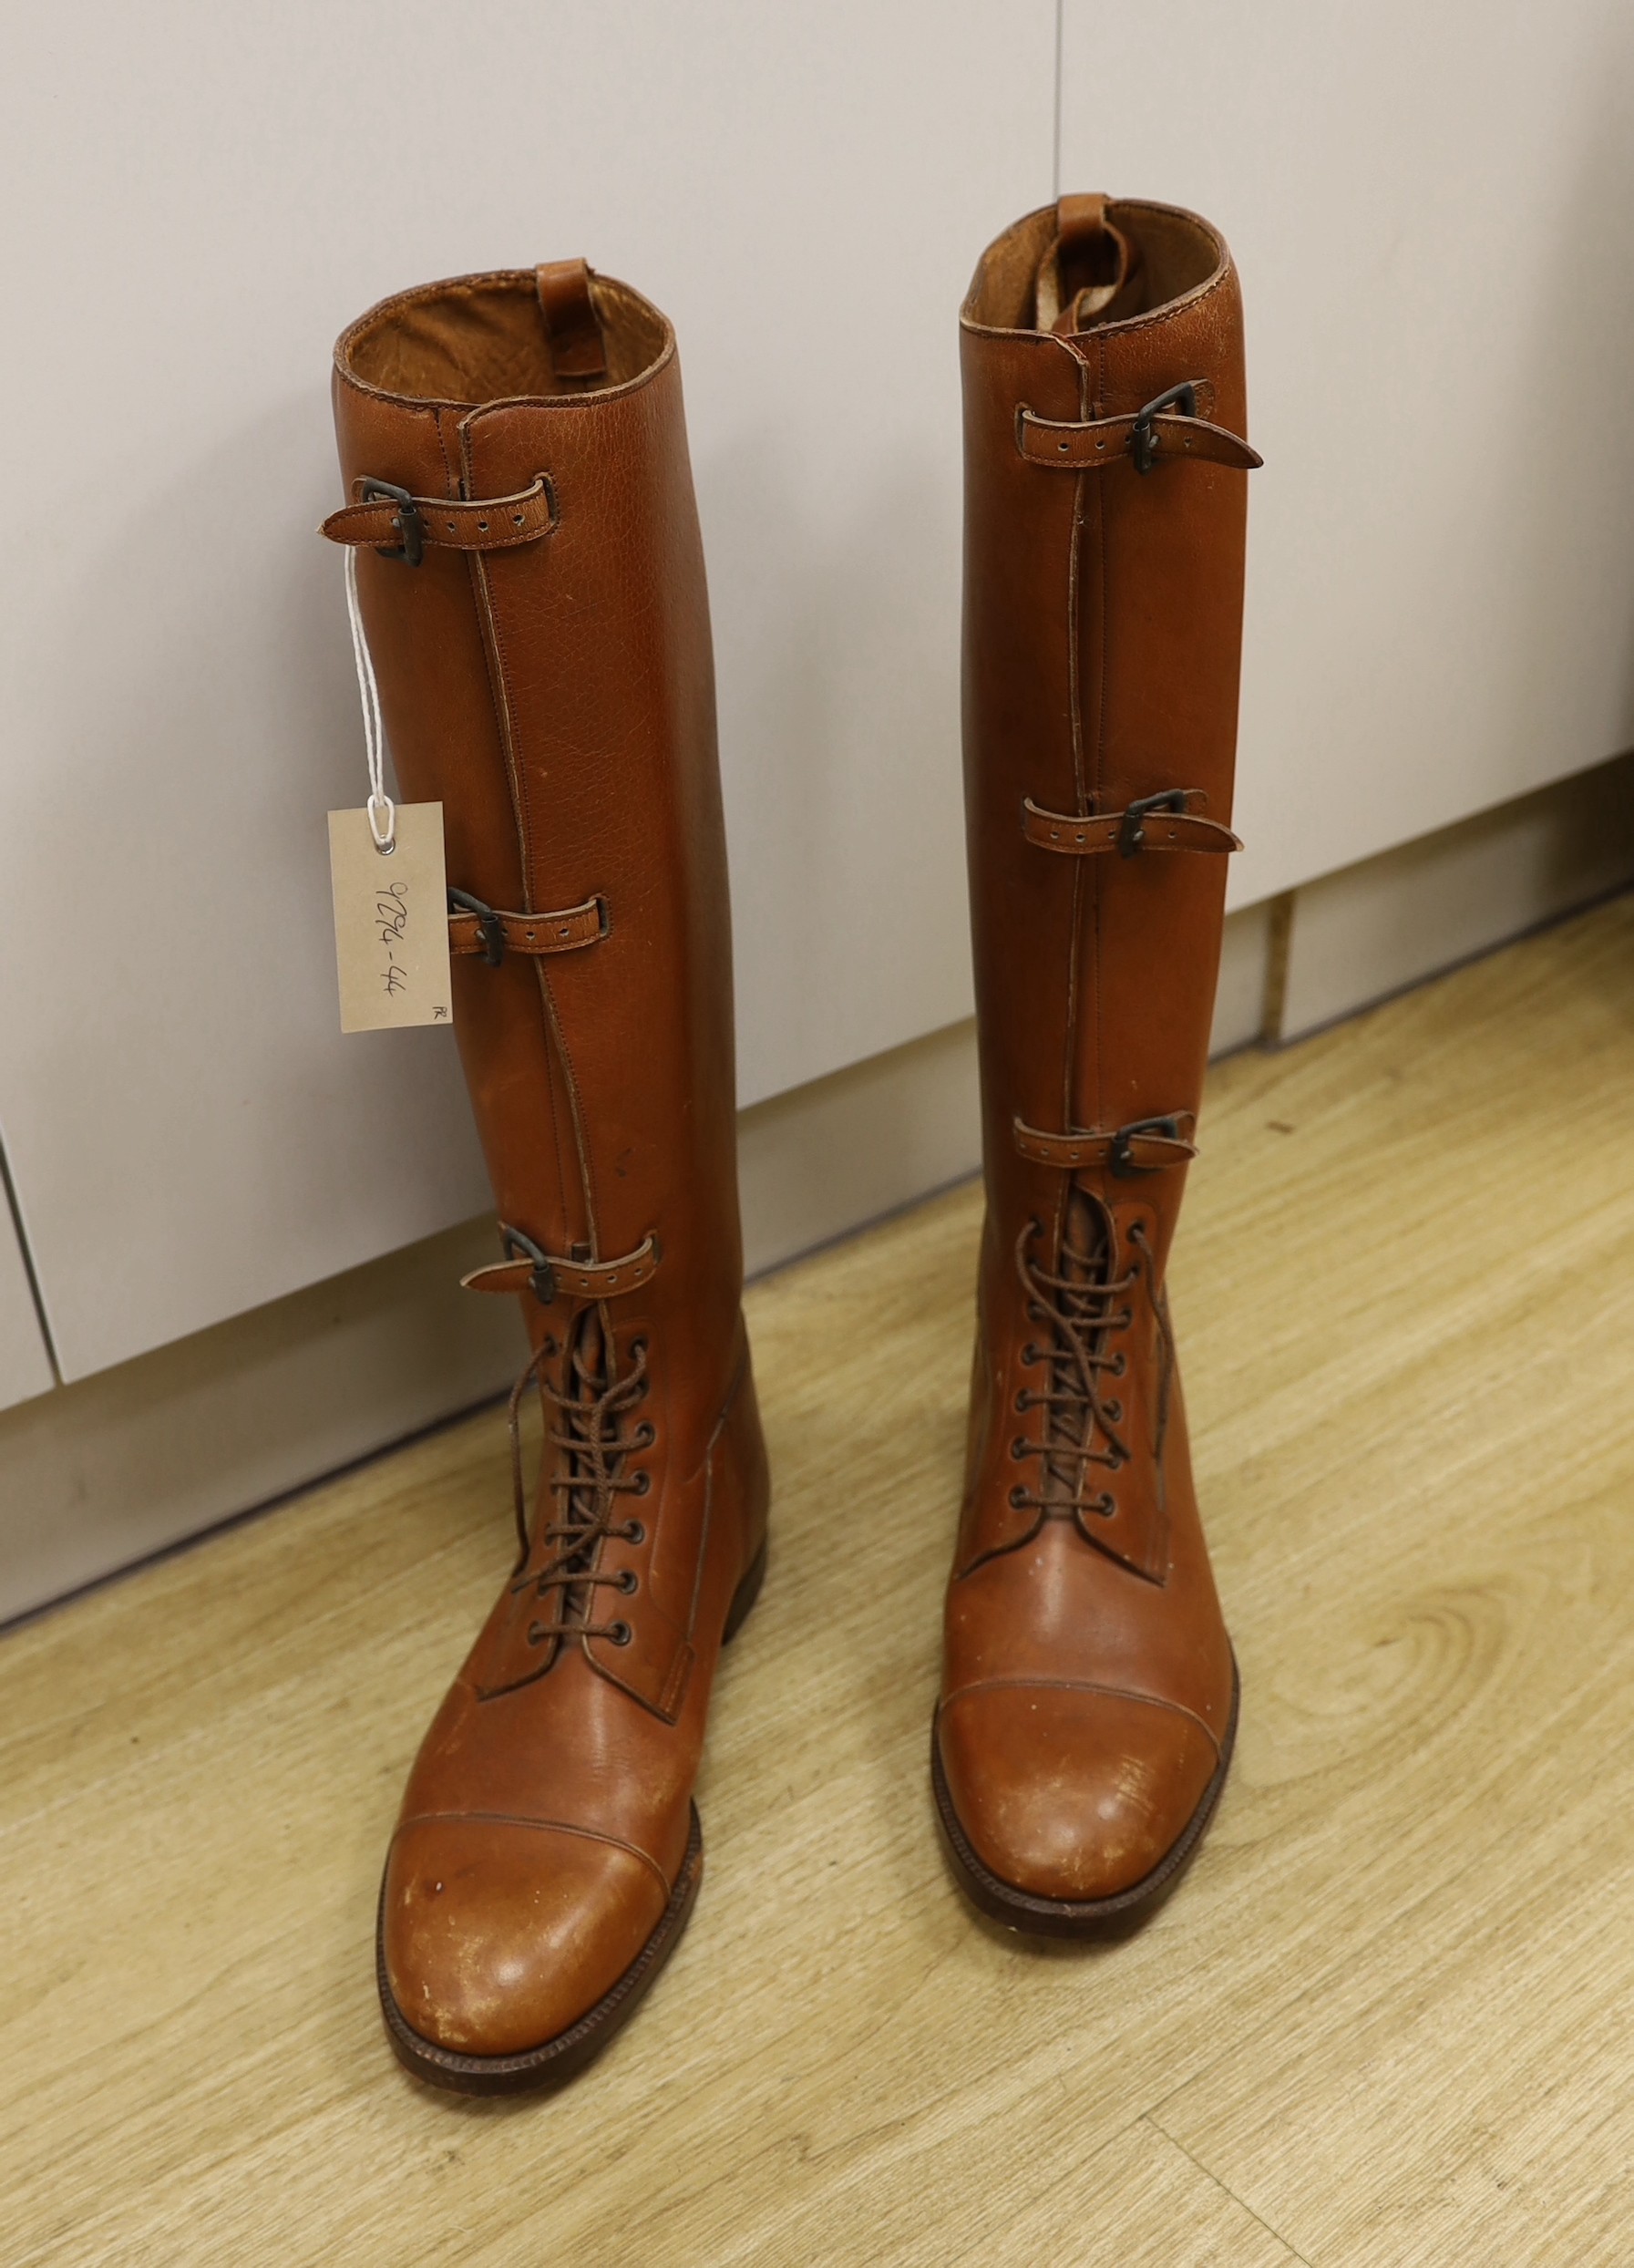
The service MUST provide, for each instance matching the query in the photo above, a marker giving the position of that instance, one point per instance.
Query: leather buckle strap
(1166, 427)
(399, 526)
(1159, 822)
(529, 1268)
(474, 927)
(1145, 1145)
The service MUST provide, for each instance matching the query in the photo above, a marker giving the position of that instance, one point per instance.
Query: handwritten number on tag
(391, 919)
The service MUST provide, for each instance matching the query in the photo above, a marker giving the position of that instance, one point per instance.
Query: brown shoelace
(591, 1445)
(1081, 1305)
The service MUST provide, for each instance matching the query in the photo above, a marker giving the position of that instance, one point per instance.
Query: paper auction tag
(391, 919)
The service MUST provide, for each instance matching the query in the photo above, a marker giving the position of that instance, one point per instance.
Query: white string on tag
(374, 737)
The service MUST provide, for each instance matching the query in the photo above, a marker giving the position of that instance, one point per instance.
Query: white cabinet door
(198, 198)
(1433, 213)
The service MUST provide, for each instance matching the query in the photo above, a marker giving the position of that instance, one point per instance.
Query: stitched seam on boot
(1081, 1684)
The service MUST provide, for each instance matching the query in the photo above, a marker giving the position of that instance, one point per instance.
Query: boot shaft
(545, 672)
(1102, 632)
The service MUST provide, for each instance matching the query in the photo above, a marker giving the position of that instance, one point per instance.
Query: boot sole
(560, 2059)
(1022, 1909)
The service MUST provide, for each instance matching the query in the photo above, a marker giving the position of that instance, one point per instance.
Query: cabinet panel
(200, 198)
(1434, 213)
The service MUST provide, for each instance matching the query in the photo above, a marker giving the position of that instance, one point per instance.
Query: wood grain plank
(1384, 2012)
(1464, 2087)
(1138, 2203)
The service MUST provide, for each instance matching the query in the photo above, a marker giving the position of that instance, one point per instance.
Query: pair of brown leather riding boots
(533, 585)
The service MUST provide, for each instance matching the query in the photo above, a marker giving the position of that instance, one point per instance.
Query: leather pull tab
(1081, 219)
(577, 348)
(1092, 273)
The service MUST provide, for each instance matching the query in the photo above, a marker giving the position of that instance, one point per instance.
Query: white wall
(198, 198)
(1434, 215)
(1433, 207)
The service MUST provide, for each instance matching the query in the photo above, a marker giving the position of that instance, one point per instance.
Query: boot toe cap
(1070, 1792)
(498, 1935)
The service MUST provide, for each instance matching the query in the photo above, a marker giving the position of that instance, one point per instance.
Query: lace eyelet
(536, 1634)
(1114, 1410)
(1018, 1497)
(629, 1582)
(633, 1531)
(1120, 1368)
(1019, 1446)
(646, 1433)
(1031, 1356)
(620, 1634)
(644, 1482)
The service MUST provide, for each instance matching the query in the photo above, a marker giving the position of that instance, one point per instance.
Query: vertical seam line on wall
(9, 1189)
(1055, 154)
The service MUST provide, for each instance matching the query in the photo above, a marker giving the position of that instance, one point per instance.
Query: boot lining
(1180, 250)
(485, 340)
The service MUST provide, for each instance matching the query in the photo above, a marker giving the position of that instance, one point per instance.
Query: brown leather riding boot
(1089, 1696)
(532, 587)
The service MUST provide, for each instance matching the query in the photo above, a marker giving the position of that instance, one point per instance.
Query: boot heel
(744, 1596)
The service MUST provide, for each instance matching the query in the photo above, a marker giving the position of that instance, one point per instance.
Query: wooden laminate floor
(1385, 2022)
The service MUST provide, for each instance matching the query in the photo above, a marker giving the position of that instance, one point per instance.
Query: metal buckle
(1143, 442)
(1123, 1161)
(406, 520)
(488, 922)
(517, 1246)
(1131, 835)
